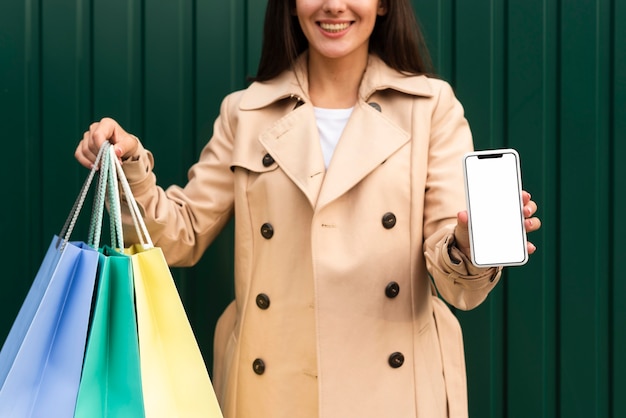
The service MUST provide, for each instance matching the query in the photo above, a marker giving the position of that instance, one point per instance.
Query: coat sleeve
(457, 280)
(183, 221)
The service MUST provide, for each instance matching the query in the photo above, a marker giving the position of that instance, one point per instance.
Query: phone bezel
(508, 261)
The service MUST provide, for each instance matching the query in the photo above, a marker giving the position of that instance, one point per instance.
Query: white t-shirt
(330, 124)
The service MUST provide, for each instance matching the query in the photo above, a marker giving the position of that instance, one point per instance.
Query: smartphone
(493, 190)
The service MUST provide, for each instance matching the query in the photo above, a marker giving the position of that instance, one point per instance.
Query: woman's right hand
(107, 129)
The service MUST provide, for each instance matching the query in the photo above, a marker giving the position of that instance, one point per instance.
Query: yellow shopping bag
(174, 377)
(173, 374)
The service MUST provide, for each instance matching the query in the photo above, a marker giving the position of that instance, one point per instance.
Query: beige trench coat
(334, 314)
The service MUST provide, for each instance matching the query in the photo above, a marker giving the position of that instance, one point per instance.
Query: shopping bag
(175, 380)
(111, 381)
(174, 376)
(41, 359)
(42, 356)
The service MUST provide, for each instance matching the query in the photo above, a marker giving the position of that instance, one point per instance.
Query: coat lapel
(294, 144)
(367, 141)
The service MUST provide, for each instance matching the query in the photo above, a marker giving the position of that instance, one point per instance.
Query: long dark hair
(396, 39)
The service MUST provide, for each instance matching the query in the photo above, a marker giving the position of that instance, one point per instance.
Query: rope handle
(68, 227)
(115, 209)
(140, 225)
(110, 169)
(97, 212)
(107, 191)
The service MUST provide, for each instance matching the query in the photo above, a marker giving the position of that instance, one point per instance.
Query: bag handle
(70, 222)
(97, 212)
(110, 169)
(115, 209)
(106, 190)
(140, 225)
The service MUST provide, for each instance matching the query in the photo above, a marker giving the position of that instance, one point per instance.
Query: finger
(102, 131)
(84, 153)
(525, 197)
(530, 247)
(82, 158)
(126, 146)
(107, 129)
(532, 224)
(530, 208)
(461, 233)
(462, 217)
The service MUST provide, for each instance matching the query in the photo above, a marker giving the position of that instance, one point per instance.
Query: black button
(258, 366)
(396, 360)
(267, 230)
(389, 220)
(375, 106)
(392, 290)
(262, 301)
(267, 160)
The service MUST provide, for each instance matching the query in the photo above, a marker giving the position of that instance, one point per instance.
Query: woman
(342, 167)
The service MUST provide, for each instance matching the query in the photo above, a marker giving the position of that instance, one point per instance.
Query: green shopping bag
(110, 385)
(111, 381)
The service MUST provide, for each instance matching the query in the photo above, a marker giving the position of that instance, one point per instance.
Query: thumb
(461, 232)
(108, 129)
(126, 145)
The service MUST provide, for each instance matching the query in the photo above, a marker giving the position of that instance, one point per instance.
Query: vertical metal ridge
(452, 53)
(612, 216)
(550, 167)
(618, 191)
(33, 111)
(553, 77)
(498, 122)
(603, 200)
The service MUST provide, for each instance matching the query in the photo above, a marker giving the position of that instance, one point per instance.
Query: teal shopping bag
(111, 380)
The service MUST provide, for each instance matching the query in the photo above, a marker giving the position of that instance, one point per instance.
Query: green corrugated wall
(547, 77)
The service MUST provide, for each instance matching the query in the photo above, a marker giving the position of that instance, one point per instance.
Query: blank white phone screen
(493, 190)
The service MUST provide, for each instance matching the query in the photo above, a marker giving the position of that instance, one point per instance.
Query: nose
(334, 6)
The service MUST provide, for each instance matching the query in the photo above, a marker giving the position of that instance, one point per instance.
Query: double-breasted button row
(263, 302)
(396, 360)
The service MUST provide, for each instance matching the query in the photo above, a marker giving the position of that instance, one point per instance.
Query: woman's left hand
(531, 222)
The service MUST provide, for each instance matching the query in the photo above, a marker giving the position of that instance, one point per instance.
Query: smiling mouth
(334, 27)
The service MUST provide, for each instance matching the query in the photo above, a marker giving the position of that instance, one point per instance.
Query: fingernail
(118, 151)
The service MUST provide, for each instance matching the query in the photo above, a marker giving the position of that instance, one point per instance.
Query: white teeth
(334, 27)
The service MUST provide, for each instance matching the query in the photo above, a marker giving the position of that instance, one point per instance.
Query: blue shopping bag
(42, 358)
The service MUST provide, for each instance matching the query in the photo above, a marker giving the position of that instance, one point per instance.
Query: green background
(546, 77)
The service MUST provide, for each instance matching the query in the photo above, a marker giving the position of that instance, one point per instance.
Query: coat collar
(368, 140)
(294, 83)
